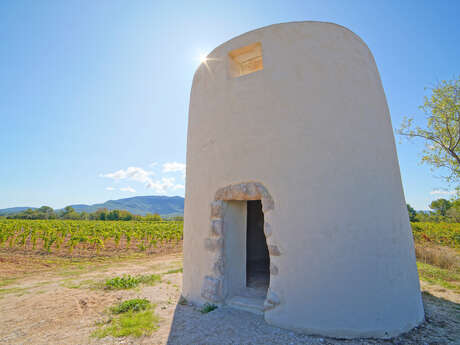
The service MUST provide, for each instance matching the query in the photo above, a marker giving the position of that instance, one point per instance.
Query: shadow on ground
(228, 326)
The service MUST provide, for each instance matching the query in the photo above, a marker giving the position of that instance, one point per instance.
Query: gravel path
(226, 326)
(57, 306)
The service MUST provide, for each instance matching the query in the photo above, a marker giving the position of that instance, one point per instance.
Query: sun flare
(203, 58)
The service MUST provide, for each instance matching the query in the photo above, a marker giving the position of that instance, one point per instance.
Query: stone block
(274, 250)
(214, 244)
(216, 209)
(273, 269)
(212, 289)
(219, 266)
(271, 301)
(217, 227)
(267, 229)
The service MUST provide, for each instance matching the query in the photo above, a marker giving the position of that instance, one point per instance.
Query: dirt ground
(52, 300)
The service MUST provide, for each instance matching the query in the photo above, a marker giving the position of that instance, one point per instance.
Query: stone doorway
(227, 283)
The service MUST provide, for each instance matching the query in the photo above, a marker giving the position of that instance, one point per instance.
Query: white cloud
(160, 186)
(128, 189)
(442, 192)
(174, 167)
(132, 173)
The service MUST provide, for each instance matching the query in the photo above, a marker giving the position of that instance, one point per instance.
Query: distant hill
(163, 205)
(14, 210)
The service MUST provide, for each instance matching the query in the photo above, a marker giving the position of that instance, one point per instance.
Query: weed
(150, 279)
(134, 317)
(136, 304)
(183, 300)
(207, 308)
(125, 282)
(128, 282)
(177, 270)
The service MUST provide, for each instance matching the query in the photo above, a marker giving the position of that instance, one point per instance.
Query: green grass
(129, 282)
(75, 266)
(14, 290)
(72, 284)
(160, 266)
(7, 281)
(150, 279)
(177, 270)
(133, 317)
(448, 279)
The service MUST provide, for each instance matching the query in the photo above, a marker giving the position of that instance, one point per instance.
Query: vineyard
(444, 234)
(81, 237)
(71, 237)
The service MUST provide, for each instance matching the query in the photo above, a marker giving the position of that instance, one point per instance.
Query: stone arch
(212, 289)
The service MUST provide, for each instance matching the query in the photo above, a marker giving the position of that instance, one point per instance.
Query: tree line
(46, 212)
(443, 210)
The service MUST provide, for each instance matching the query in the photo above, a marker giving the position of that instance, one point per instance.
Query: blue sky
(94, 94)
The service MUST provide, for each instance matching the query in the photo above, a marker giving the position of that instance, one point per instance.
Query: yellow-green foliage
(71, 234)
(445, 234)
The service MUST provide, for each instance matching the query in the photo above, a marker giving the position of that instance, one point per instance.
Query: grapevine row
(52, 235)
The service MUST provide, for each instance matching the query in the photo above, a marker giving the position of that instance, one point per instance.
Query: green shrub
(125, 282)
(135, 304)
(129, 282)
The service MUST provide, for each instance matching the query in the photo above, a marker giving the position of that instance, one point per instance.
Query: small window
(246, 60)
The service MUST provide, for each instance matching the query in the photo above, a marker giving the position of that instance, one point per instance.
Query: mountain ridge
(141, 205)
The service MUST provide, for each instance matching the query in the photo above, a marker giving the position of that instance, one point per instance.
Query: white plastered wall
(313, 126)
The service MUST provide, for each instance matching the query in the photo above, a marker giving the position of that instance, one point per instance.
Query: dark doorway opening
(257, 257)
